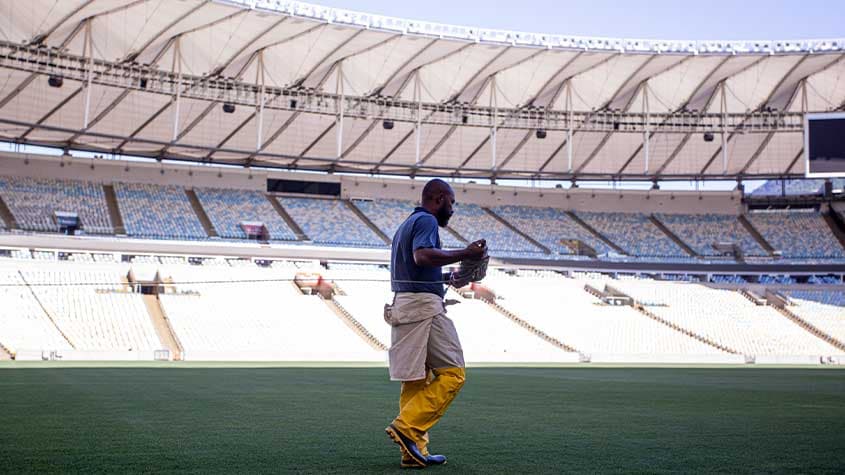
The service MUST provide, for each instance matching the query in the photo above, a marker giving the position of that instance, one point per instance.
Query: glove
(469, 271)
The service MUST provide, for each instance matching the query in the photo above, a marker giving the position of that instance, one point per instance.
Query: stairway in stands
(354, 324)
(114, 210)
(513, 228)
(638, 306)
(836, 224)
(5, 354)
(674, 237)
(595, 232)
(6, 216)
(161, 323)
(815, 331)
(44, 309)
(201, 214)
(746, 223)
(514, 318)
(300, 234)
(363, 217)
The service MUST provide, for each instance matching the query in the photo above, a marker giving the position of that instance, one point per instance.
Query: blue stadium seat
(797, 234)
(389, 214)
(550, 226)
(331, 222)
(158, 212)
(701, 231)
(634, 232)
(227, 208)
(33, 202)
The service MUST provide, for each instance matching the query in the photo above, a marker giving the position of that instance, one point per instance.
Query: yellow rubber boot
(428, 404)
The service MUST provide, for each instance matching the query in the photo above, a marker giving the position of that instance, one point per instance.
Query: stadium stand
(159, 212)
(330, 222)
(34, 202)
(797, 234)
(583, 321)
(634, 232)
(24, 324)
(267, 320)
(228, 208)
(473, 223)
(824, 310)
(100, 316)
(388, 214)
(725, 317)
(550, 226)
(824, 297)
(701, 231)
(486, 335)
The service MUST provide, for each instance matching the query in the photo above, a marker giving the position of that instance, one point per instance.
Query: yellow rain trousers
(423, 403)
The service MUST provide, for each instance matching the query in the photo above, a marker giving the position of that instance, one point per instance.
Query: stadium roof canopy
(316, 88)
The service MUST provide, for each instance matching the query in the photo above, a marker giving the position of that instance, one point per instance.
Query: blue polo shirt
(419, 231)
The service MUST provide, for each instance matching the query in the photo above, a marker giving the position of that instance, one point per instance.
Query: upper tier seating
(389, 214)
(725, 317)
(33, 202)
(328, 221)
(633, 232)
(549, 226)
(474, 223)
(159, 212)
(227, 208)
(797, 234)
(701, 231)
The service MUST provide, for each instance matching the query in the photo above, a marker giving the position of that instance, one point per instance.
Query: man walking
(425, 353)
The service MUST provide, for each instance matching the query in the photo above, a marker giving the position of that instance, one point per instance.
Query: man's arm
(432, 257)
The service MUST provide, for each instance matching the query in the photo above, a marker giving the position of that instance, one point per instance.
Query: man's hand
(477, 250)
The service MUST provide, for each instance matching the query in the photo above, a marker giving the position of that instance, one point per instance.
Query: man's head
(438, 198)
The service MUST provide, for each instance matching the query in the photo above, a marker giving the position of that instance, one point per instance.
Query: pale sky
(656, 19)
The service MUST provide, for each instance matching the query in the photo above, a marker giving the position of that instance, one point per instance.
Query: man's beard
(443, 217)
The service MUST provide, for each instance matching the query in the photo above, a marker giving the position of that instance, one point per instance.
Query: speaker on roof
(541, 133)
(387, 124)
(708, 136)
(55, 81)
(228, 107)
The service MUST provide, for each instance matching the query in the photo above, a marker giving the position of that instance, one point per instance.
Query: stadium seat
(34, 202)
(158, 212)
(330, 222)
(228, 208)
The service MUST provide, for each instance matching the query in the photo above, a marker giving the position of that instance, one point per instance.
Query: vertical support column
(340, 101)
(177, 68)
(646, 125)
(494, 122)
(88, 51)
(418, 131)
(569, 127)
(260, 79)
(724, 106)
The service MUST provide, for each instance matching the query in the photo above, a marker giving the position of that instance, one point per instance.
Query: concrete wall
(109, 171)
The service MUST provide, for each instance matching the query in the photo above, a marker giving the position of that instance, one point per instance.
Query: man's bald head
(438, 198)
(434, 189)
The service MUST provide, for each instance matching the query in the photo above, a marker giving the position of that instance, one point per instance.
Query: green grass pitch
(232, 418)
